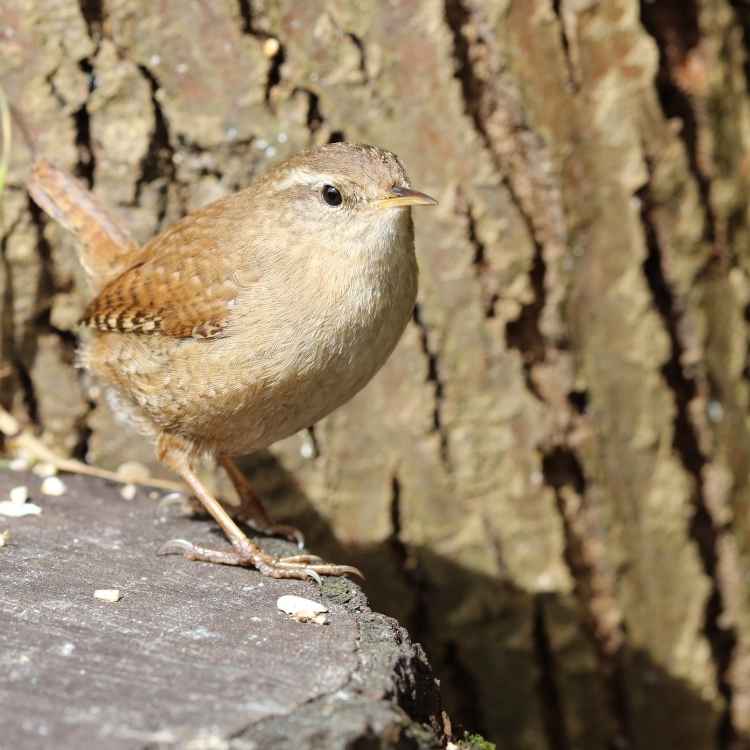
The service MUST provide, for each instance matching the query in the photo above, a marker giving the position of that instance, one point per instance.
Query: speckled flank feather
(181, 286)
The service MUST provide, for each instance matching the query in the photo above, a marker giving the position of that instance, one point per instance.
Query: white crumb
(303, 610)
(108, 595)
(128, 491)
(4, 537)
(53, 486)
(17, 510)
(307, 449)
(19, 494)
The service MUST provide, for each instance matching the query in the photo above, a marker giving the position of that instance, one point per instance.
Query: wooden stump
(192, 655)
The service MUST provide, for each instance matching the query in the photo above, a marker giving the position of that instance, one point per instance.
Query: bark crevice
(86, 164)
(675, 27)
(523, 333)
(565, 44)
(92, 12)
(360, 45)
(314, 117)
(549, 694)
(14, 369)
(489, 296)
(409, 568)
(457, 17)
(249, 27)
(274, 72)
(438, 386)
(593, 584)
(245, 8)
(704, 532)
(157, 165)
(93, 15)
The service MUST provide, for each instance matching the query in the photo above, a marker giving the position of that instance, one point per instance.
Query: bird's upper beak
(402, 196)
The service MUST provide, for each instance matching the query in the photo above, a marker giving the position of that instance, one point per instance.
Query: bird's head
(358, 196)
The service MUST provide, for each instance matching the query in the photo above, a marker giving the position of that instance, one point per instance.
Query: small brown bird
(251, 318)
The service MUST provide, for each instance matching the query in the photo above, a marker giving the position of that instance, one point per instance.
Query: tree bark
(548, 482)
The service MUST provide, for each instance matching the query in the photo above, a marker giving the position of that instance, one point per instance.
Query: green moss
(475, 742)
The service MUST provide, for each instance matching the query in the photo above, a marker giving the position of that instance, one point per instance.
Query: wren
(248, 320)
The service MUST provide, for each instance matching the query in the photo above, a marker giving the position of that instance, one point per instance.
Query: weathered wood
(192, 654)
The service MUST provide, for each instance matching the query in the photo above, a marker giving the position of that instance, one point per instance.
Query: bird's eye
(332, 196)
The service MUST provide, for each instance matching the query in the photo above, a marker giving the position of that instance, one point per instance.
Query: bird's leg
(251, 510)
(175, 454)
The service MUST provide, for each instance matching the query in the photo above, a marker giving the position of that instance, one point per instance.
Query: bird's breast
(314, 356)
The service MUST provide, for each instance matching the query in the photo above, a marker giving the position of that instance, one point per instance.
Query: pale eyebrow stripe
(304, 177)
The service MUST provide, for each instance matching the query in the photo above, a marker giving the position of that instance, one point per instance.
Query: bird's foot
(252, 511)
(300, 567)
(248, 515)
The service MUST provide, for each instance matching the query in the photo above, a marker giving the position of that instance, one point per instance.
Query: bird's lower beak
(401, 196)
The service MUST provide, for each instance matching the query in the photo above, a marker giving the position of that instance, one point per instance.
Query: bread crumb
(19, 494)
(17, 510)
(108, 595)
(53, 486)
(303, 610)
(127, 491)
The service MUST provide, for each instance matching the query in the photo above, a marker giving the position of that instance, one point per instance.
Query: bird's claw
(295, 566)
(175, 547)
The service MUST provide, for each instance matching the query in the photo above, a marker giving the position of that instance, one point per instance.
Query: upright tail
(106, 248)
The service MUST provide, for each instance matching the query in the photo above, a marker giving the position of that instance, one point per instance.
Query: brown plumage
(249, 319)
(181, 285)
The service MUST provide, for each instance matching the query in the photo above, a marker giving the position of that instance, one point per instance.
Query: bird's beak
(401, 196)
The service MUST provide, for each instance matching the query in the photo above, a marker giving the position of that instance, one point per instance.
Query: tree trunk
(548, 482)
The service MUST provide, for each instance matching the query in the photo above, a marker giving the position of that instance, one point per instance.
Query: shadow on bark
(522, 670)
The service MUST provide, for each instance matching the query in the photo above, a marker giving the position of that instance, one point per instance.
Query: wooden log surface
(192, 655)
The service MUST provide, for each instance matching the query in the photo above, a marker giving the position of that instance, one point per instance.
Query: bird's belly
(231, 410)
(270, 410)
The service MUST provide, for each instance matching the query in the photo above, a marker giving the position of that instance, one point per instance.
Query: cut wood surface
(192, 655)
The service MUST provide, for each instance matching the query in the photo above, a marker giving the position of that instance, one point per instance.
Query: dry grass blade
(31, 446)
(6, 140)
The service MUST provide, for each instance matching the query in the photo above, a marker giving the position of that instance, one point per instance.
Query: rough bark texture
(548, 481)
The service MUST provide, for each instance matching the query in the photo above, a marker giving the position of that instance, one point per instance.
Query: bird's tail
(106, 249)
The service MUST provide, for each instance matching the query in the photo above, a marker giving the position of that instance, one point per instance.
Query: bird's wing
(184, 284)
